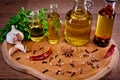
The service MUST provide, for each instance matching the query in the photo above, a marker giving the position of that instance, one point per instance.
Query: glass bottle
(78, 22)
(53, 24)
(35, 27)
(105, 23)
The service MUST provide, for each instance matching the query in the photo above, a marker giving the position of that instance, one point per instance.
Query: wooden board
(78, 66)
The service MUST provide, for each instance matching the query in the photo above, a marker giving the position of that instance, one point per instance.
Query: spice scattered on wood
(18, 58)
(72, 65)
(59, 65)
(44, 62)
(59, 61)
(56, 56)
(46, 70)
(68, 52)
(94, 50)
(68, 72)
(85, 55)
(72, 74)
(50, 59)
(41, 48)
(80, 71)
(97, 66)
(34, 51)
(28, 51)
(86, 51)
(58, 72)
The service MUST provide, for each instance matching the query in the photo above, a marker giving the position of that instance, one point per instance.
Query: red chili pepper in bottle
(110, 51)
(42, 56)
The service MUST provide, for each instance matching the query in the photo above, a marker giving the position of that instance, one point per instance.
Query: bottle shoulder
(53, 15)
(78, 15)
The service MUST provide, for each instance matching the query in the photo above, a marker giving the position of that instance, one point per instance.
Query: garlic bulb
(14, 36)
(17, 46)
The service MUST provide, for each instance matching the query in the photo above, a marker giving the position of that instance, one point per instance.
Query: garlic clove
(20, 47)
(14, 36)
(12, 50)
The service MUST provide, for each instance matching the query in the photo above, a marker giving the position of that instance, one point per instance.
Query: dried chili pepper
(42, 56)
(110, 51)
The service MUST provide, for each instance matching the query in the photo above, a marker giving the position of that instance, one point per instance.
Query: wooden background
(9, 8)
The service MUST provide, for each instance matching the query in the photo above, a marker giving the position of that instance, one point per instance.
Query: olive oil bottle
(105, 23)
(78, 22)
(35, 27)
(53, 25)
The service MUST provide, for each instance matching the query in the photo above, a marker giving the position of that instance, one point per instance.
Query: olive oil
(78, 24)
(35, 27)
(53, 25)
(104, 27)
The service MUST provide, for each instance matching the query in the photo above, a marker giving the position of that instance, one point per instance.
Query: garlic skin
(17, 47)
(14, 36)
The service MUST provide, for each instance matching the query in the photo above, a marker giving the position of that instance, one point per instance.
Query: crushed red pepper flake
(72, 64)
(50, 59)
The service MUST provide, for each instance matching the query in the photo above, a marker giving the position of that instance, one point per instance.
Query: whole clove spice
(18, 58)
(72, 74)
(94, 50)
(46, 70)
(86, 51)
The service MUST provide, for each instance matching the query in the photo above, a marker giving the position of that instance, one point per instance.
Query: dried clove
(86, 51)
(18, 58)
(58, 72)
(50, 59)
(34, 51)
(43, 62)
(46, 70)
(68, 72)
(81, 71)
(72, 74)
(94, 50)
(85, 55)
(71, 64)
(59, 61)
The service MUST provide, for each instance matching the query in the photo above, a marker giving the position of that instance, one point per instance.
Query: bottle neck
(53, 8)
(111, 3)
(78, 4)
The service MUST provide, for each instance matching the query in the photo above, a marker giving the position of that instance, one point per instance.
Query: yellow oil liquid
(53, 28)
(78, 27)
(36, 31)
(103, 30)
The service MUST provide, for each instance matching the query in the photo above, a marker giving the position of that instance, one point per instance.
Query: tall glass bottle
(53, 24)
(78, 22)
(35, 27)
(105, 23)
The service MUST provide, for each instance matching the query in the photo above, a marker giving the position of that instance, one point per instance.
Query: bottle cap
(111, 1)
(53, 6)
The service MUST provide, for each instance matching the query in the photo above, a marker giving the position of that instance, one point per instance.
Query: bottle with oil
(78, 22)
(53, 24)
(35, 27)
(105, 23)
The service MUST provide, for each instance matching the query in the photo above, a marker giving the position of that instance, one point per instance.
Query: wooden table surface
(9, 8)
